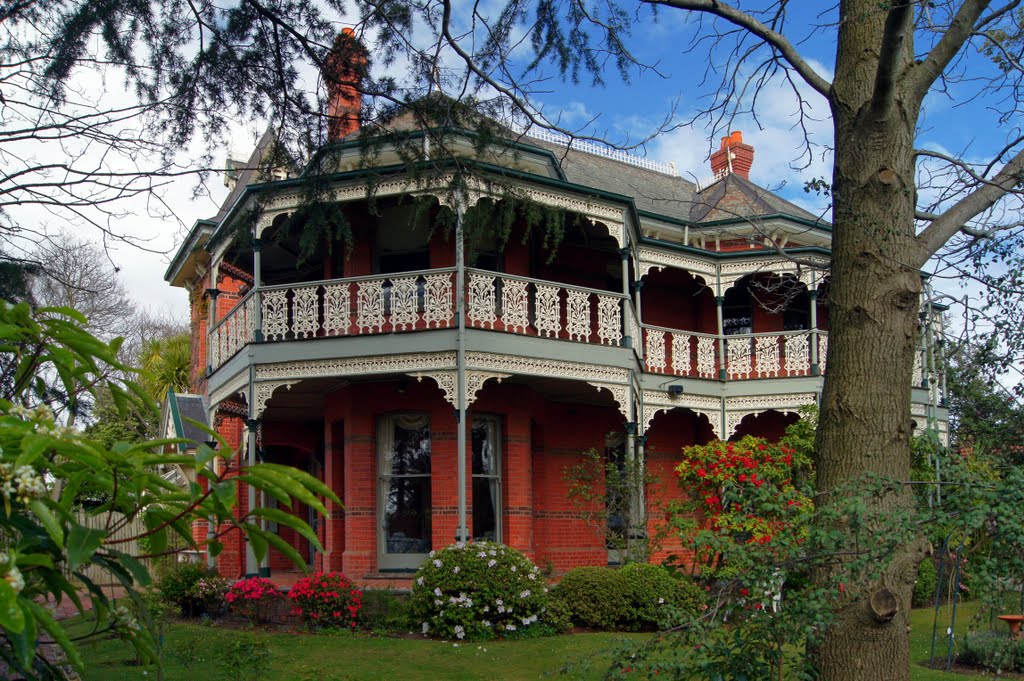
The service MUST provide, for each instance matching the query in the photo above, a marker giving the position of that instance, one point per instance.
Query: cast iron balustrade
(418, 301)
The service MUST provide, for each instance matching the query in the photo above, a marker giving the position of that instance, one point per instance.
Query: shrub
(558, 616)
(596, 595)
(924, 587)
(651, 590)
(208, 594)
(176, 584)
(478, 591)
(326, 600)
(638, 596)
(386, 611)
(997, 651)
(252, 598)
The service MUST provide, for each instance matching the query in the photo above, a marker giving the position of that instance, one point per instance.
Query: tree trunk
(865, 424)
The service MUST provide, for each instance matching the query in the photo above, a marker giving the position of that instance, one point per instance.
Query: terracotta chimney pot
(733, 156)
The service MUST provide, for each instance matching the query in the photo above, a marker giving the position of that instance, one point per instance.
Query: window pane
(485, 500)
(410, 453)
(484, 447)
(407, 515)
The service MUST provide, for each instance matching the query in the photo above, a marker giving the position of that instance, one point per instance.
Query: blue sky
(630, 111)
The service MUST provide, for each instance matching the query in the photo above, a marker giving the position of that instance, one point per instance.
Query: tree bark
(865, 424)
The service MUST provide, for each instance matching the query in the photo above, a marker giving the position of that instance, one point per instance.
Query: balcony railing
(528, 306)
(759, 355)
(233, 332)
(415, 301)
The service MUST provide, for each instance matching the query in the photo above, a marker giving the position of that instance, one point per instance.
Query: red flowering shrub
(326, 600)
(252, 598)
(746, 489)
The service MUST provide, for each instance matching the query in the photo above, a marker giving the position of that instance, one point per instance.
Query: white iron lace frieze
(475, 382)
(704, 405)
(305, 311)
(549, 310)
(714, 416)
(437, 308)
(654, 259)
(611, 217)
(681, 353)
(337, 302)
(738, 354)
(264, 391)
(275, 314)
(731, 272)
(577, 315)
(482, 300)
(706, 356)
(515, 305)
(767, 355)
(918, 410)
(445, 381)
(231, 387)
(655, 353)
(822, 351)
(798, 358)
(329, 368)
(758, 403)
(370, 305)
(609, 320)
(533, 366)
(620, 393)
(404, 303)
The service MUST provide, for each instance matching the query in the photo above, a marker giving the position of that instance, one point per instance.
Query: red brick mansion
(440, 382)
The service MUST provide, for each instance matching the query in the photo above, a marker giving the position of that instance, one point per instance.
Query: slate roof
(183, 410)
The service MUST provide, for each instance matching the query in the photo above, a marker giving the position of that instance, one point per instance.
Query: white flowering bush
(479, 591)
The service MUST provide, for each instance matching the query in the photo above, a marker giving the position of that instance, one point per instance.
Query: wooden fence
(97, 574)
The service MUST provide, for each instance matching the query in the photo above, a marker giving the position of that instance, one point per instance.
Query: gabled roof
(735, 196)
(179, 413)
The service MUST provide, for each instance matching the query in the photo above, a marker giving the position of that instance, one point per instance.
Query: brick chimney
(343, 71)
(734, 157)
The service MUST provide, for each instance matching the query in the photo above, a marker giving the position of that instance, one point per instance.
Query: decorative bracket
(264, 391)
(620, 393)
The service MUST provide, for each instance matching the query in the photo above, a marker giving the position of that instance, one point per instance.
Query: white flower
(513, 568)
(491, 563)
(482, 554)
(487, 608)
(431, 554)
(660, 601)
(525, 594)
(425, 628)
(487, 624)
(532, 576)
(14, 579)
(456, 569)
(460, 633)
(510, 627)
(498, 601)
(437, 563)
(419, 581)
(437, 591)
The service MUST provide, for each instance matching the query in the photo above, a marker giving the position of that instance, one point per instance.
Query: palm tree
(165, 363)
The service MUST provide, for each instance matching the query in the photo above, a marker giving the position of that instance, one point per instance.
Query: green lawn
(297, 657)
